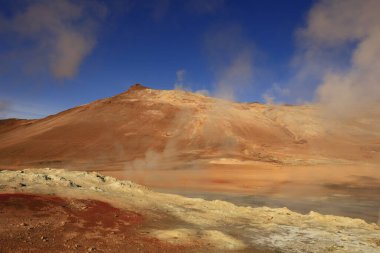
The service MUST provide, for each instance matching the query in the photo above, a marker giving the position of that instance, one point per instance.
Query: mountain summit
(137, 86)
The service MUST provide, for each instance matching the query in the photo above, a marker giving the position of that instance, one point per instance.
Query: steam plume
(4, 108)
(341, 26)
(230, 55)
(180, 79)
(61, 33)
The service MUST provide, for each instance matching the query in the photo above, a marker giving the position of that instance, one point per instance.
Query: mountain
(147, 127)
(171, 140)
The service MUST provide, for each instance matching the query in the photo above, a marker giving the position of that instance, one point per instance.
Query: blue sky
(147, 42)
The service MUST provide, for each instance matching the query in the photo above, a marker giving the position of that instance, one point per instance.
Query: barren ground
(45, 223)
(81, 210)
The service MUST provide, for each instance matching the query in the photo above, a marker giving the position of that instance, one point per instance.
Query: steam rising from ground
(60, 33)
(189, 131)
(231, 60)
(180, 79)
(336, 25)
(4, 107)
(170, 156)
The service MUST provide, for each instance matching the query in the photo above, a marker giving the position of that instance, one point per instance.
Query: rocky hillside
(171, 127)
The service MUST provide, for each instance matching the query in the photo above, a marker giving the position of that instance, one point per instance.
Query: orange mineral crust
(43, 223)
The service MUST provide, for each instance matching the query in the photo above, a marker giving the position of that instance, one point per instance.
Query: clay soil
(42, 223)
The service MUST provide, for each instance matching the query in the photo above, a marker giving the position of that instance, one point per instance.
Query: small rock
(72, 184)
(101, 178)
(46, 177)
